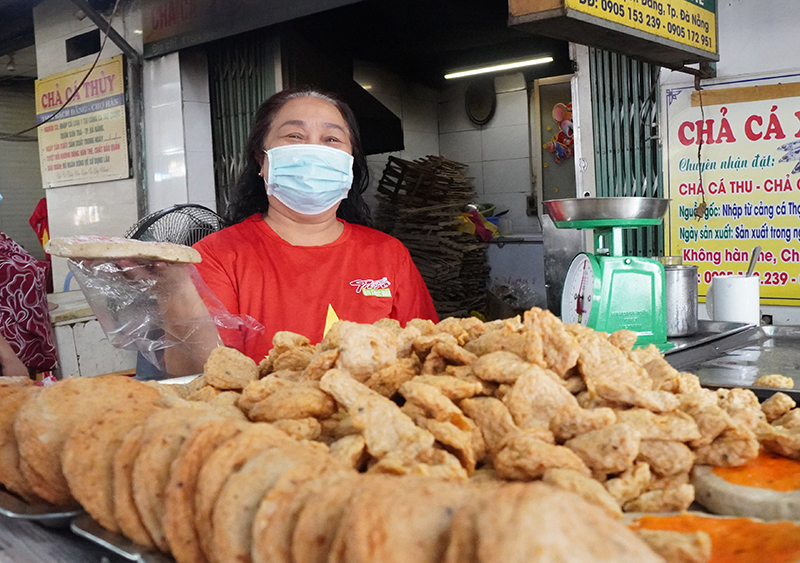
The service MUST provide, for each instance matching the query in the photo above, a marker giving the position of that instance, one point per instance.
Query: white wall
(101, 208)
(498, 153)
(754, 38)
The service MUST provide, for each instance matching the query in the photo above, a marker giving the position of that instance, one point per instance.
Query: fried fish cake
(319, 518)
(275, 520)
(526, 522)
(125, 513)
(13, 397)
(221, 464)
(44, 423)
(164, 434)
(402, 519)
(180, 491)
(241, 495)
(227, 368)
(88, 458)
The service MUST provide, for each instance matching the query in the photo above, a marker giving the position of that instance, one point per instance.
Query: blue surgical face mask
(308, 179)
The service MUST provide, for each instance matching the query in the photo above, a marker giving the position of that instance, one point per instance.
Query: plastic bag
(132, 302)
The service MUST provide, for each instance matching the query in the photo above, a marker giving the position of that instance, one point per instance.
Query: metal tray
(12, 506)
(737, 357)
(85, 527)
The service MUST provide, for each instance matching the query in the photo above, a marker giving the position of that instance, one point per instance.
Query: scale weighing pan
(598, 212)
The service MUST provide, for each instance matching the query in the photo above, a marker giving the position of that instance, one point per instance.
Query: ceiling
(421, 40)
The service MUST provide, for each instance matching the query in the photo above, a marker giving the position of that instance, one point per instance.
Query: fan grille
(180, 224)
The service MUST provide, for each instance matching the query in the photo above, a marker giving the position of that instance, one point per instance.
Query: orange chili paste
(735, 540)
(767, 471)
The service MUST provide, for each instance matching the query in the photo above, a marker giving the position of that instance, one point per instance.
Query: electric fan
(184, 223)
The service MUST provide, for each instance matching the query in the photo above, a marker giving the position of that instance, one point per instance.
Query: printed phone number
(765, 278)
(681, 30)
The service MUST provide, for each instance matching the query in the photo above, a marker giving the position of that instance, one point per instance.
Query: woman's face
(310, 121)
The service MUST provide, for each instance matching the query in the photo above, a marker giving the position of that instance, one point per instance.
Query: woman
(299, 249)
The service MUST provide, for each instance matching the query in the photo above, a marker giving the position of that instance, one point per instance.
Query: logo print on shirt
(376, 288)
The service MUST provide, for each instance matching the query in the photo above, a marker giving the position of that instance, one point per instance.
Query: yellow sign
(744, 189)
(687, 22)
(85, 141)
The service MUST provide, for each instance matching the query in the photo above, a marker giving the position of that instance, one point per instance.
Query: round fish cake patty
(220, 465)
(11, 476)
(88, 458)
(125, 513)
(277, 515)
(180, 492)
(242, 494)
(45, 422)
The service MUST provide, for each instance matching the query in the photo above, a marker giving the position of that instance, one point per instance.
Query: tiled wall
(102, 208)
(498, 153)
(178, 120)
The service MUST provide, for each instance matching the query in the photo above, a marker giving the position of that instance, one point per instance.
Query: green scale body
(608, 291)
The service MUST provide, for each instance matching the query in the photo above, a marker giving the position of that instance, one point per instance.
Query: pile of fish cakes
(430, 442)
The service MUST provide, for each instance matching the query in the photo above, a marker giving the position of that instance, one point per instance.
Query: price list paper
(744, 188)
(689, 22)
(87, 140)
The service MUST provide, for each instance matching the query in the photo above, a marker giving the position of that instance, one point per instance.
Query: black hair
(250, 195)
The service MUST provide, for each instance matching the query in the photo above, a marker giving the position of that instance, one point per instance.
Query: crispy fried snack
(511, 336)
(535, 398)
(560, 349)
(227, 368)
(493, 419)
(455, 387)
(275, 520)
(790, 420)
(13, 396)
(710, 418)
(398, 520)
(676, 425)
(630, 484)
(585, 487)
(777, 405)
(742, 405)
(780, 440)
(525, 456)
(364, 349)
(319, 364)
(241, 495)
(623, 339)
(735, 446)
(666, 457)
(609, 450)
(385, 428)
(571, 421)
(678, 547)
(319, 519)
(164, 434)
(500, 366)
(221, 464)
(88, 458)
(350, 451)
(300, 399)
(567, 529)
(180, 491)
(388, 380)
(300, 428)
(671, 499)
(46, 419)
(774, 380)
(125, 513)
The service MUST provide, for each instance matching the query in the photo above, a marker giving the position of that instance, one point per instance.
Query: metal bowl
(606, 208)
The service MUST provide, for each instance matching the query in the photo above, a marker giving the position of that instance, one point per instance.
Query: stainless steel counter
(735, 355)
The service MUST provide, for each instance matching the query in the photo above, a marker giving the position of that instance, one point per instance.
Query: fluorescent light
(498, 68)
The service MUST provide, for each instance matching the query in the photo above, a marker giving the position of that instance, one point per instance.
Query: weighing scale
(607, 290)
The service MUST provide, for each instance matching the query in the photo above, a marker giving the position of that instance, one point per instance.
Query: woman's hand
(10, 364)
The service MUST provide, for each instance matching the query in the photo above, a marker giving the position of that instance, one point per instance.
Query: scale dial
(578, 296)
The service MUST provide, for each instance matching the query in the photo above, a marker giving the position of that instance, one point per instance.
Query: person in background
(25, 330)
(299, 250)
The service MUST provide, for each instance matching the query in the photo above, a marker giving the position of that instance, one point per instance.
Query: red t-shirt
(365, 275)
